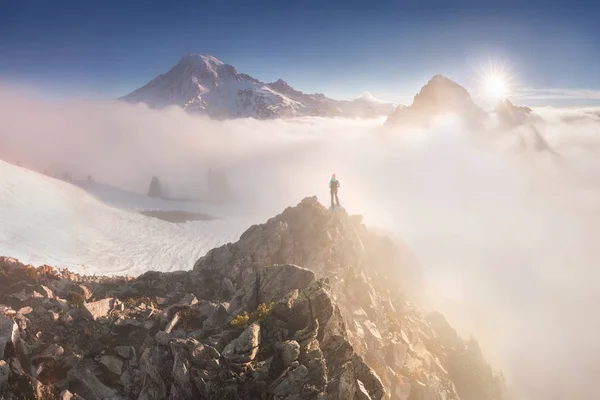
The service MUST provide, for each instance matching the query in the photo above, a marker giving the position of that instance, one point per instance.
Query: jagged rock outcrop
(510, 116)
(372, 281)
(189, 346)
(246, 323)
(439, 96)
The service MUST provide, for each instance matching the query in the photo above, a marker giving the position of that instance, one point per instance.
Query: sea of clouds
(507, 236)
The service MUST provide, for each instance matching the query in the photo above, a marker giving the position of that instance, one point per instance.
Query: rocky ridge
(439, 96)
(246, 323)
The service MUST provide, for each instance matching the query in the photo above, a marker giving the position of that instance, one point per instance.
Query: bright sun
(494, 80)
(495, 86)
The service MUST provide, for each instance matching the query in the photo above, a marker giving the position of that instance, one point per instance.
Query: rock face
(371, 280)
(203, 84)
(247, 323)
(439, 96)
(510, 115)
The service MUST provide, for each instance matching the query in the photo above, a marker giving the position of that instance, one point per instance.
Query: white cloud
(513, 237)
(555, 94)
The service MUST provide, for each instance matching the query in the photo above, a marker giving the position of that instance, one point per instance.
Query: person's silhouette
(334, 184)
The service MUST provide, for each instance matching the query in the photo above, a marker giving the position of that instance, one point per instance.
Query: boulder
(243, 349)
(153, 387)
(9, 334)
(98, 309)
(66, 395)
(181, 388)
(113, 364)
(291, 385)
(288, 351)
(85, 383)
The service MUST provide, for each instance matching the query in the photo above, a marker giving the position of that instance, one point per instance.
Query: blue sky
(340, 48)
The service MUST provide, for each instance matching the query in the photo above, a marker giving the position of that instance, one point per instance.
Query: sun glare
(494, 80)
(495, 86)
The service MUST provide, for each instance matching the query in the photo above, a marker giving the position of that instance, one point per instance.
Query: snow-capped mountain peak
(204, 84)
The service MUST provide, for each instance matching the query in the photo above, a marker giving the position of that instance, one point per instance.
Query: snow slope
(203, 84)
(46, 220)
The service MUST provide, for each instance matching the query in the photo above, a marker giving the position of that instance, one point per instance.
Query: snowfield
(48, 221)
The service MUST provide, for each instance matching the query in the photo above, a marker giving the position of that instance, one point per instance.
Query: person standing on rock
(334, 184)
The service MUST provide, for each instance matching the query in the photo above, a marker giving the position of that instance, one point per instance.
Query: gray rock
(361, 392)
(245, 347)
(291, 384)
(53, 351)
(188, 300)
(113, 364)
(127, 323)
(46, 292)
(4, 373)
(204, 356)
(40, 311)
(269, 285)
(87, 385)
(283, 308)
(161, 301)
(289, 351)
(83, 290)
(261, 370)
(9, 334)
(181, 388)
(125, 352)
(153, 387)
(217, 318)
(98, 309)
(228, 285)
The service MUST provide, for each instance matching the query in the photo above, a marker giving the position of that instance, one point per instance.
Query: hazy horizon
(340, 49)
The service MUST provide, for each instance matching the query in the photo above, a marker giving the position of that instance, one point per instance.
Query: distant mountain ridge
(439, 96)
(203, 84)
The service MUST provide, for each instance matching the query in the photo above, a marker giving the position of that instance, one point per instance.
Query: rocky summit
(309, 305)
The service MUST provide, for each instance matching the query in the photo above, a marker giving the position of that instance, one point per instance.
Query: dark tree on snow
(218, 184)
(155, 188)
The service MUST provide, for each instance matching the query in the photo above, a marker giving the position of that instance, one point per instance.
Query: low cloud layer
(508, 240)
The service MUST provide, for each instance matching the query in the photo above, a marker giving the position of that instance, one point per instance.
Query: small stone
(161, 301)
(25, 310)
(53, 351)
(125, 352)
(65, 395)
(188, 300)
(63, 304)
(46, 292)
(67, 319)
(98, 309)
